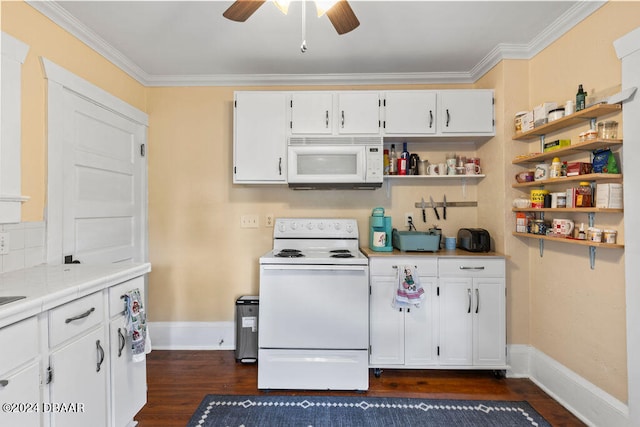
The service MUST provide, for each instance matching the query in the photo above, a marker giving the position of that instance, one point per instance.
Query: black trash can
(247, 329)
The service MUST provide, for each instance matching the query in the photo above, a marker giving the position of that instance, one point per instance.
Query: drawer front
(387, 266)
(116, 302)
(471, 267)
(18, 344)
(75, 317)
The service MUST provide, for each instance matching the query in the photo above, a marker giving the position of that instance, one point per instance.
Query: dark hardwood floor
(179, 380)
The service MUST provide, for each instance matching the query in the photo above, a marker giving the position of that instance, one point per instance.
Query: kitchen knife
(444, 208)
(424, 214)
(433, 205)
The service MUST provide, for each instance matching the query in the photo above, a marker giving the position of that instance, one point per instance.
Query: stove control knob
(337, 226)
(282, 227)
(349, 228)
(310, 226)
(293, 225)
(321, 226)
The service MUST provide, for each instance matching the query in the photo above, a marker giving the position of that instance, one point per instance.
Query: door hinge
(369, 349)
(235, 104)
(384, 102)
(68, 259)
(234, 170)
(291, 124)
(493, 101)
(49, 378)
(142, 150)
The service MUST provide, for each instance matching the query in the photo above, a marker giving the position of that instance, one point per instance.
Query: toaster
(474, 239)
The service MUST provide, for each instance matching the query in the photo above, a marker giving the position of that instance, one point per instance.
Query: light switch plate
(249, 221)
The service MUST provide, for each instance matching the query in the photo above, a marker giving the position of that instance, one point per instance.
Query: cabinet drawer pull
(395, 266)
(100, 352)
(462, 267)
(477, 300)
(469, 295)
(121, 342)
(81, 316)
(279, 165)
(4, 383)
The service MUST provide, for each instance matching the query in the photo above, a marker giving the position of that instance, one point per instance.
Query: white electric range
(314, 312)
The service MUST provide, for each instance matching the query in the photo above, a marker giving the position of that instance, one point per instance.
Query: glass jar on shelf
(584, 195)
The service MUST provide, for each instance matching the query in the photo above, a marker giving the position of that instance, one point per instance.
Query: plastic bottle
(403, 161)
(385, 162)
(581, 97)
(556, 168)
(393, 161)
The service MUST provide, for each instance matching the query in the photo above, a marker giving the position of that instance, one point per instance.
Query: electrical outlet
(249, 221)
(4, 243)
(408, 218)
(268, 220)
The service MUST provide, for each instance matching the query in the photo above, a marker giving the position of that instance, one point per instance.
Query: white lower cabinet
(20, 374)
(460, 324)
(80, 381)
(402, 336)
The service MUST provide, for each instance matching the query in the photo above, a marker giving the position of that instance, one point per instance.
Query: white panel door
(421, 328)
(386, 332)
(104, 205)
(410, 112)
(311, 113)
(489, 324)
(456, 302)
(359, 112)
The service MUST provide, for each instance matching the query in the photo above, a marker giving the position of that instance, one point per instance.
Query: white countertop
(47, 286)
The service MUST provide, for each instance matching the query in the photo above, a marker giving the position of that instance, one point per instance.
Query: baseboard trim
(590, 404)
(192, 335)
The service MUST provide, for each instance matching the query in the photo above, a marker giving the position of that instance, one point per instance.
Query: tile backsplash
(26, 245)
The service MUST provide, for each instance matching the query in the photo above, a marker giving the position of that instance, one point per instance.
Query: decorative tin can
(537, 198)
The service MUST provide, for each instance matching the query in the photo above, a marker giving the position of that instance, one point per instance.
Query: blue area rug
(321, 411)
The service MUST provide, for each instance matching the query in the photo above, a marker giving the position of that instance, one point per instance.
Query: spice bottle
(385, 162)
(583, 195)
(393, 161)
(581, 97)
(556, 168)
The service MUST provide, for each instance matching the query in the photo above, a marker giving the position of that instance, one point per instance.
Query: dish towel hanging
(409, 293)
(136, 325)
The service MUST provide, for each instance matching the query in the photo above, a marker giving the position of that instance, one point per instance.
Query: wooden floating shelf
(570, 241)
(576, 118)
(575, 178)
(580, 147)
(580, 210)
(433, 176)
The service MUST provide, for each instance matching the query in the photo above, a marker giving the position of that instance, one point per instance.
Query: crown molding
(559, 27)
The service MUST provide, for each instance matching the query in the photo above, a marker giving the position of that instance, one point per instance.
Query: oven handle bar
(316, 267)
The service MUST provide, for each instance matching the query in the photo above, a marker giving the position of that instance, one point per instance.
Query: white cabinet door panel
(410, 112)
(22, 388)
(420, 327)
(489, 322)
(387, 324)
(456, 301)
(311, 113)
(465, 111)
(359, 112)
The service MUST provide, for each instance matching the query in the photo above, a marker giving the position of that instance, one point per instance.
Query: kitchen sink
(7, 300)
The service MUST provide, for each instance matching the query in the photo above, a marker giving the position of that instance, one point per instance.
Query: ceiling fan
(339, 12)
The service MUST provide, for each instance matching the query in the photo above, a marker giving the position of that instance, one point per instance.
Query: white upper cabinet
(359, 112)
(466, 112)
(311, 113)
(335, 113)
(260, 138)
(410, 112)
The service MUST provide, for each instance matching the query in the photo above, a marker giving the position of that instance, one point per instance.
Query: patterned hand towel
(136, 325)
(409, 293)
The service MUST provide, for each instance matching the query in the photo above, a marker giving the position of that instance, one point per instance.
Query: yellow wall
(202, 260)
(50, 41)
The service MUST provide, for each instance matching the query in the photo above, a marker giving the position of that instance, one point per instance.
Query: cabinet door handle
(326, 119)
(121, 342)
(4, 383)
(279, 165)
(477, 300)
(100, 352)
(448, 117)
(469, 295)
(342, 124)
(80, 316)
(430, 119)
(462, 267)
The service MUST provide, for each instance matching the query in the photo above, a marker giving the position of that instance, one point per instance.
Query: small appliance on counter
(474, 240)
(380, 231)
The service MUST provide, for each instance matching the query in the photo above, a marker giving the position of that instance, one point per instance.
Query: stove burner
(290, 253)
(340, 251)
(346, 254)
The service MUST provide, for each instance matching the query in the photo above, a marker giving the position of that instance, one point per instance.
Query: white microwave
(335, 162)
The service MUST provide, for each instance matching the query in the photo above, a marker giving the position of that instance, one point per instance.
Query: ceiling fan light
(283, 5)
(322, 6)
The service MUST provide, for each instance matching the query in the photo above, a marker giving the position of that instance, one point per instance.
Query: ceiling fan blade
(342, 17)
(241, 10)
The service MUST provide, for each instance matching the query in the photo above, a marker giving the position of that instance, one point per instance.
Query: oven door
(313, 164)
(314, 307)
